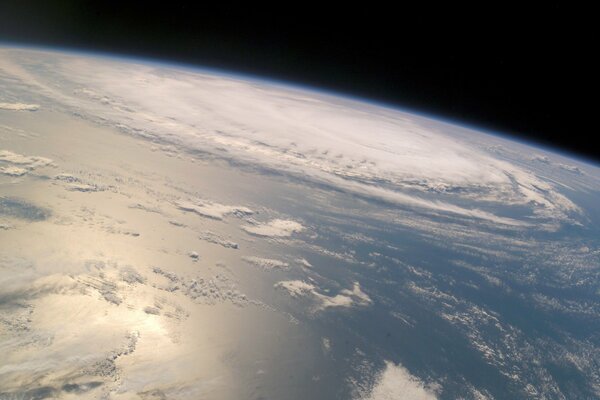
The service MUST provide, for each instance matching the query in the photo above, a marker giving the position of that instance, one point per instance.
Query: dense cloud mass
(177, 233)
(380, 153)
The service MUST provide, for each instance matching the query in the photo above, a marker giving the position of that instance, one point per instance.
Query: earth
(169, 232)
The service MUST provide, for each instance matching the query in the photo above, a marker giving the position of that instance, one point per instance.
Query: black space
(526, 69)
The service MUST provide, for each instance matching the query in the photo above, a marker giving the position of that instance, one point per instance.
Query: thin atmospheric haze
(169, 232)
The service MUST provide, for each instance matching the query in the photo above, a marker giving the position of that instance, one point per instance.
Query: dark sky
(522, 69)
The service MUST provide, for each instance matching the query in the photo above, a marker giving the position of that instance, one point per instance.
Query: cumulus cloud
(23, 161)
(396, 383)
(16, 165)
(297, 288)
(276, 228)
(73, 183)
(19, 107)
(215, 238)
(571, 168)
(13, 171)
(202, 290)
(345, 298)
(265, 263)
(213, 210)
(5, 226)
(303, 262)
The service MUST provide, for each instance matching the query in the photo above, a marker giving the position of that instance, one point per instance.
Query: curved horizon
(310, 88)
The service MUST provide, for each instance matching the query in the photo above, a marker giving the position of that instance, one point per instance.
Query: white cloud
(202, 290)
(275, 228)
(571, 168)
(75, 184)
(13, 171)
(359, 296)
(5, 226)
(346, 298)
(371, 151)
(213, 210)
(326, 344)
(265, 263)
(23, 161)
(304, 262)
(396, 383)
(215, 238)
(297, 288)
(19, 107)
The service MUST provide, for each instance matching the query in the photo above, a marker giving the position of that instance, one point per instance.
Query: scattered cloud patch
(541, 158)
(265, 263)
(326, 345)
(19, 162)
(202, 290)
(68, 178)
(213, 210)
(75, 184)
(276, 228)
(214, 238)
(13, 171)
(396, 383)
(357, 294)
(19, 107)
(567, 167)
(571, 168)
(345, 298)
(5, 226)
(303, 262)
(297, 288)
(83, 187)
